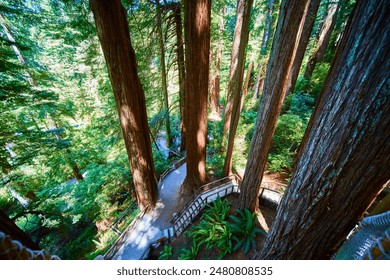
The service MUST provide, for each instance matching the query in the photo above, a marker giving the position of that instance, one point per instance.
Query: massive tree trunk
(237, 62)
(304, 40)
(290, 24)
(113, 32)
(346, 160)
(197, 39)
(215, 82)
(265, 42)
(181, 69)
(324, 37)
(164, 85)
(9, 227)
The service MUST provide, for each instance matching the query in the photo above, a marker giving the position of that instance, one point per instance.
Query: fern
(191, 253)
(244, 231)
(166, 253)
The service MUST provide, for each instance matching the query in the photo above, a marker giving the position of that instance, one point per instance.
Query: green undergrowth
(218, 234)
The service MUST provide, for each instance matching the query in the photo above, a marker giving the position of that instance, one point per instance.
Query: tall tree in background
(197, 39)
(164, 85)
(265, 42)
(181, 70)
(323, 39)
(304, 40)
(290, 24)
(216, 80)
(237, 63)
(345, 7)
(113, 32)
(345, 162)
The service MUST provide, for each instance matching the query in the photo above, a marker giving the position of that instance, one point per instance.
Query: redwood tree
(113, 32)
(323, 39)
(237, 62)
(181, 70)
(290, 23)
(346, 159)
(215, 82)
(265, 42)
(197, 40)
(303, 41)
(164, 84)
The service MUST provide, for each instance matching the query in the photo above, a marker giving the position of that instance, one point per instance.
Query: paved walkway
(150, 227)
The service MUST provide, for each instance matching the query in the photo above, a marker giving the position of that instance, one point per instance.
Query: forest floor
(184, 242)
(274, 181)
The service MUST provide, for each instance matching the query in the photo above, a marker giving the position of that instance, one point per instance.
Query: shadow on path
(150, 226)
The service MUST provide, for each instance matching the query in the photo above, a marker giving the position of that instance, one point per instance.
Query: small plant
(244, 231)
(166, 253)
(218, 211)
(213, 231)
(191, 253)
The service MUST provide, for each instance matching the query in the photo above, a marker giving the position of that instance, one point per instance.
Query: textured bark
(232, 113)
(215, 83)
(265, 42)
(164, 85)
(324, 37)
(9, 227)
(197, 39)
(345, 162)
(181, 69)
(304, 40)
(113, 32)
(290, 24)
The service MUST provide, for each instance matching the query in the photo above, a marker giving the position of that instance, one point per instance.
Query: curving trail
(150, 226)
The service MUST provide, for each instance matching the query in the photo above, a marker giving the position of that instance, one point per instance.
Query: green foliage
(191, 253)
(314, 85)
(244, 231)
(289, 131)
(215, 158)
(318, 77)
(280, 161)
(166, 253)
(288, 134)
(217, 211)
(213, 231)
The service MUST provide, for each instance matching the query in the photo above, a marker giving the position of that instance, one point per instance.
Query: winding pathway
(150, 226)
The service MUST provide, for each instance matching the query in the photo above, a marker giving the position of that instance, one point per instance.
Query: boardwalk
(150, 227)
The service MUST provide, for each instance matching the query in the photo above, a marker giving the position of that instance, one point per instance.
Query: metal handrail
(110, 252)
(174, 166)
(202, 189)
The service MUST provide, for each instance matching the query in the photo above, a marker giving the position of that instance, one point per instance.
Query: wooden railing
(121, 217)
(174, 166)
(203, 195)
(122, 238)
